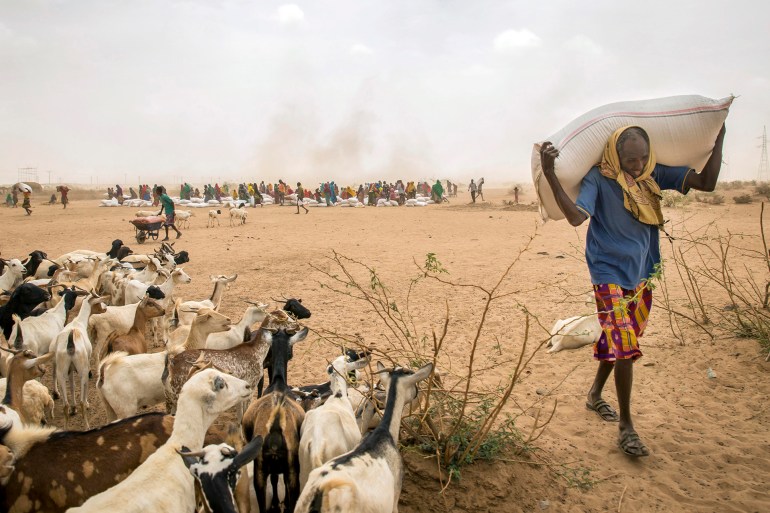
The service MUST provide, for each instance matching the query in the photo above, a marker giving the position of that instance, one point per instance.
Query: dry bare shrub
(461, 417)
(726, 283)
(743, 199)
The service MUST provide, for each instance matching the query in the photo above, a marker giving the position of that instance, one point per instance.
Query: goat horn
(12, 351)
(196, 454)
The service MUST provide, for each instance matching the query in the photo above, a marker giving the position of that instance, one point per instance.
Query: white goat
(574, 333)
(216, 474)
(128, 382)
(207, 394)
(206, 323)
(37, 333)
(213, 215)
(13, 275)
(183, 218)
(135, 290)
(73, 354)
(235, 335)
(185, 312)
(367, 479)
(37, 401)
(238, 216)
(330, 430)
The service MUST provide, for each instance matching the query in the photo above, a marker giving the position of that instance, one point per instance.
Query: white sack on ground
(682, 131)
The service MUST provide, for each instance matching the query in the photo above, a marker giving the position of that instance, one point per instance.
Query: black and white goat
(216, 469)
(368, 478)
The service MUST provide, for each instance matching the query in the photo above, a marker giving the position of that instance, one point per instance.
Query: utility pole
(763, 174)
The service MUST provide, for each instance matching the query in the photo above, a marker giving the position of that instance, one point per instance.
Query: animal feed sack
(682, 131)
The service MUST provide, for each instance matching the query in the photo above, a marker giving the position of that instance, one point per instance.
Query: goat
(37, 333)
(183, 218)
(367, 479)
(206, 323)
(242, 361)
(296, 310)
(238, 216)
(213, 215)
(222, 339)
(330, 429)
(216, 470)
(116, 318)
(56, 470)
(23, 300)
(37, 264)
(277, 418)
(13, 275)
(574, 333)
(73, 353)
(207, 394)
(23, 367)
(185, 312)
(112, 253)
(158, 326)
(134, 341)
(135, 290)
(37, 401)
(128, 382)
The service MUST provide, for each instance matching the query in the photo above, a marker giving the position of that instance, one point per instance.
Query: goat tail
(71, 343)
(335, 494)
(105, 364)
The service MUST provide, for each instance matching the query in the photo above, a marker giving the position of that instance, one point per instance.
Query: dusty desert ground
(708, 437)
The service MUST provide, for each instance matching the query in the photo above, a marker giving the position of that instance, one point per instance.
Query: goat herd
(324, 447)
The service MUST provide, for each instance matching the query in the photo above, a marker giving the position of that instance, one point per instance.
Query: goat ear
(40, 360)
(422, 373)
(298, 337)
(249, 452)
(358, 364)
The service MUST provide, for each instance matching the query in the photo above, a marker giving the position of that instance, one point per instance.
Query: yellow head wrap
(641, 196)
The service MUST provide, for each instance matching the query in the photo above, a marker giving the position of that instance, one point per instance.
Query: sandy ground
(708, 437)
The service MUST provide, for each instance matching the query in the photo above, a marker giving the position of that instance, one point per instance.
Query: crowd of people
(327, 192)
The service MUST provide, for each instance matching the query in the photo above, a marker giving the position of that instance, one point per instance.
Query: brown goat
(277, 418)
(244, 361)
(59, 470)
(24, 366)
(134, 342)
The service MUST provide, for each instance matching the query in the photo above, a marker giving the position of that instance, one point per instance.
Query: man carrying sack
(621, 196)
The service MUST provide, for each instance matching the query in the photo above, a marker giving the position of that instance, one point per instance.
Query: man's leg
(602, 373)
(166, 233)
(178, 233)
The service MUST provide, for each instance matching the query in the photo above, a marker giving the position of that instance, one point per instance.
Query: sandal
(605, 412)
(632, 445)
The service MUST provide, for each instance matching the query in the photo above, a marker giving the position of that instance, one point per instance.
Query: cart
(147, 228)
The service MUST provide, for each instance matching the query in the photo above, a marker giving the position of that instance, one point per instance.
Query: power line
(763, 174)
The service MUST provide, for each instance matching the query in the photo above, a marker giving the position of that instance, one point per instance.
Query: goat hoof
(90, 375)
(55, 395)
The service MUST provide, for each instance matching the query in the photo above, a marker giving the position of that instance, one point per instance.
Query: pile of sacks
(419, 201)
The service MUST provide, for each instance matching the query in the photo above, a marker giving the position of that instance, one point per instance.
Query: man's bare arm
(548, 155)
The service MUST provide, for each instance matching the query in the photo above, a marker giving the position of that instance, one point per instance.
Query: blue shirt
(620, 249)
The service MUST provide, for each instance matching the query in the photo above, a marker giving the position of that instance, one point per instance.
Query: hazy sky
(351, 89)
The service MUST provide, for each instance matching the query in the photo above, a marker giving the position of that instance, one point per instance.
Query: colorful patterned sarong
(169, 219)
(623, 316)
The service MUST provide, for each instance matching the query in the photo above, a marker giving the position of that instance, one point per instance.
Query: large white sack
(574, 333)
(682, 131)
(196, 200)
